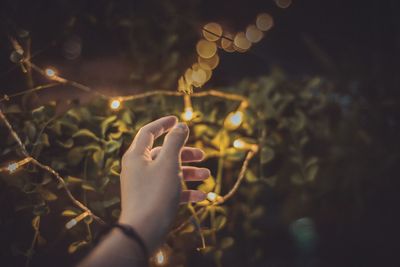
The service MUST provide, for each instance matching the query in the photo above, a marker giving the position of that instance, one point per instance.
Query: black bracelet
(129, 232)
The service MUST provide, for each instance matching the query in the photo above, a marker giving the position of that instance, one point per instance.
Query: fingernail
(182, 126)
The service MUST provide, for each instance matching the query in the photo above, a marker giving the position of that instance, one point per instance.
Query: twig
(47, 168)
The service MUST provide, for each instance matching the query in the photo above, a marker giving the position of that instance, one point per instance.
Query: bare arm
(150, 192)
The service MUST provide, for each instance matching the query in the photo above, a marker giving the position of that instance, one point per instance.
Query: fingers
(174, 142)
(144, 139)
(192, 196)
(188, 154)
(195, 174)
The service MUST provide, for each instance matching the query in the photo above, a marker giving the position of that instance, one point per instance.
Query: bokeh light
(239, 144)
(241, 42)
(206, 49)
(212, 31)
(253, 34)
(227, 42)
(211, 63)
(188, 114)
(50, 72)
(115, 104)
(264, 22)
(234, 120)
(283, 3)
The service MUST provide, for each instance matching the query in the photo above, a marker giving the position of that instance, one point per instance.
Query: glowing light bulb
(234, 120)
(212, 31)
(160, 258)
(206, 49)
(50, 72)
(71, 224)
(241, 43)
(264, 22)
(12, 167)
(211, 196)
(188, 115)
(115, 104)
(238, 143)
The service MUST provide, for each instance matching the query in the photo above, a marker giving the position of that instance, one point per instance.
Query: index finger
(144, 139)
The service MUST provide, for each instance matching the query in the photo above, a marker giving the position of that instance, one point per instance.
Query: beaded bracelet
(129, 232)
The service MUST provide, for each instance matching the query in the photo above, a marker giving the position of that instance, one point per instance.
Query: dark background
(354, 43)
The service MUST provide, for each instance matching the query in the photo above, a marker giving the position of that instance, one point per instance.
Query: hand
(151, 178)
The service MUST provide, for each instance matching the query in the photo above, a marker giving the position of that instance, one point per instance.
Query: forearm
(116, 249)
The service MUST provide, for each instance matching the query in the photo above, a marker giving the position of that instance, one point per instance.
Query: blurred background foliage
(322, 191)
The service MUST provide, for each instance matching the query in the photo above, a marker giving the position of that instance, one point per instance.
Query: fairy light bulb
(234, 120)
(71, 224)
(115, 104)
(188, 115)
(12, 167)
(211, 196)
(239, 144)
(50, 72)
(160, 258)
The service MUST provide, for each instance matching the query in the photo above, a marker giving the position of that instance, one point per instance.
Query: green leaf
(110, 202)
(88, 187)
(311, 172)
(69, 213)
(85, 133)
(98, 158)
(227, 242)
(75, 156)
(67, 144)
(47, 194)
(72, 179)
(112, 146)
(106, 123)
(267, 154)
(73, 247)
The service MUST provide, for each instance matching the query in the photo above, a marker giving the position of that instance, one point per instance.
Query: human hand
(151, 188)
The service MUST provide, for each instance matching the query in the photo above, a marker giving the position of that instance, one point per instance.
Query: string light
(188, 113)
(212, 31)
(264, 22)
(160, 258)
(241, 42)
(71, 223)
(233, 120)
(243, 145)
(206, 49)
(115, 104)
(14, 166)
(253, 34)
(50, 72)
(238, 143)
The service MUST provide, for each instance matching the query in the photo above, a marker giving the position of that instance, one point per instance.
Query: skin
(151, 191)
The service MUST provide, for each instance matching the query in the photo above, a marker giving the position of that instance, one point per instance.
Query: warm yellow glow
(239, 144)
(234, 120)
(187, 115)
(211, 63)
(211, 196)
(212, 31)
(253, 34)
(283, 3)
(264, 22)
(50, 72)
(227, 42)
(71, 223)
(115, 104)
(206, 49)
(160, 258)
(241, 42)
(199, 76)
(12, 167)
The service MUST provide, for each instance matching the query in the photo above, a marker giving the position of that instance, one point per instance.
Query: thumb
(174, 141)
